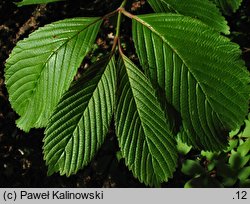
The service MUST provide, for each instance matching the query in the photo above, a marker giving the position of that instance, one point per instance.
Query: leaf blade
(204, 10)
(81, 120)
(41, 67)
(144, 136)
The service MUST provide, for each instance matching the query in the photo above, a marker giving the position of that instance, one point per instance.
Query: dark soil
(21, 158)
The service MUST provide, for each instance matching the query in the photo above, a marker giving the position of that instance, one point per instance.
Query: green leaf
(233, 143)
(244, 148)
(229, 181)
(144, 135)
(233, 133)
(201, 72)
(245, 183)
(29, 2)
(246, 131)
(81, 120)
(244, 173)
(229, 175)
(203, 182)
(211, 165)
(182, 147)
(209, 155)
(41, 67)
(237, 161)
(119, 155)
(192, 168)
(228, 6)
(224, 170)
(204, 10)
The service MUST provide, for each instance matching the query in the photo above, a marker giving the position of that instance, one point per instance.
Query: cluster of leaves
(190, 70)
(227, 168)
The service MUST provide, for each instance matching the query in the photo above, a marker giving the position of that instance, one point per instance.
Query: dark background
(21, 158)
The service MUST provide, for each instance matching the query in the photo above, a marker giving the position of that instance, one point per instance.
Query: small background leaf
(244, 148)
(236, 161)
(246, 131)
(209, 155)
(182, 147)
(245, 183)
(192, 168)
(203, 182)
(244, 173)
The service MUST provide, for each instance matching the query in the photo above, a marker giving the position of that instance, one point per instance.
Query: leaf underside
(29, 2)
(42, 66)
(199, 70)
(81, 120)
(204, 10)
(143, 133)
